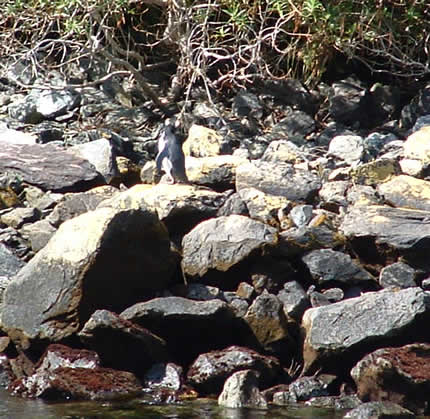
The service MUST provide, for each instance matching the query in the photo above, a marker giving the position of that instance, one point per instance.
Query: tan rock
(202, 142)
(417, 146)
(407, 192)
(375, 172)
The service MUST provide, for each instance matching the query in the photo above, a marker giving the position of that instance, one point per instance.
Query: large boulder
(190, 327)
(221, 243)
(103, 259)
(180, 207)
(399, 375)
(49, 167)
(338, 335)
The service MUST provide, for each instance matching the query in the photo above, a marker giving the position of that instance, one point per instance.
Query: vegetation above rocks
(221, 44)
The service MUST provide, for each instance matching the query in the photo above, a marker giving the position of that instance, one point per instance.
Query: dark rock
(398, 275)
(329, 265)
(241, 390)
(234, 204)
(295, 127)
(399, 375)
(334, 402)
(121, 344)
(9, 263)
(104, 259)
(220, 243)
(48, 167)
(209, 371)
(379, 410)
(188, 326)
(294, 300)
(278, 179)
(201, 292)
(337, 334)
(267, 321)
(420, 105)
(247, 104)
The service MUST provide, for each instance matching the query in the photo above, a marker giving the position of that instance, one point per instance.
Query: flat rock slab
(48, 167)
(103, 259)
(400, 375)
(379, 410)
(398, 227)
(407, 192)
(337, 333)
(222, 242)
(210, 370)
(276, 178)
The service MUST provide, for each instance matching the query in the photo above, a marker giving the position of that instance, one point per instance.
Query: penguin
(170, 157)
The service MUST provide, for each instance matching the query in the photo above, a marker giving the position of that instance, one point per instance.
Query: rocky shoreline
(293, 268)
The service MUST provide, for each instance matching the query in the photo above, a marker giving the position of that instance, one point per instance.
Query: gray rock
(38, 233)
(301, 215)
(73, 204)
(241, 390)
(202, 292)
(53, 103)
(102, 259)
(41, 200)
(278, 179)
(210, 370)
(234, 204)
(48, 167)
(121, 344)
(398, 275)
(223, 242)
(379, 410)
(335, 334)
(294, 300)
(397, 227)
(282, 151)
(245, 291)
(9, 263)
(363, 195)
(329, 265)
(333, 194)
(334, 294)
(399, 375)
(317, 299)
(304, 388)
(188, 326)
(349, 148)
(16, 137)
(163, 376)
(100, 153)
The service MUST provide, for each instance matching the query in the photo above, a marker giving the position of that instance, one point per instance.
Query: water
(18, 408)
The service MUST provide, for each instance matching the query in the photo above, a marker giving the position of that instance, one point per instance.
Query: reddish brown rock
(399, 375)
